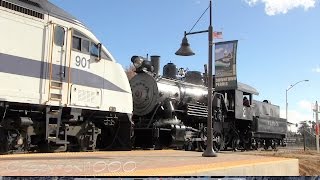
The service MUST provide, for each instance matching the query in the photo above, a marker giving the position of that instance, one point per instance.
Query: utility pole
(304, 137)
(316, 109)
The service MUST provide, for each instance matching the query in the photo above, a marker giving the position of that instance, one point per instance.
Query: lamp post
(185, 50)
(290, 87)
(316, 110)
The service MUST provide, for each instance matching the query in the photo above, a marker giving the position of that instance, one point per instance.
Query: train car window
(94, 50)
(76, 43)
(59, 36)
(85, 46)
(246, 101)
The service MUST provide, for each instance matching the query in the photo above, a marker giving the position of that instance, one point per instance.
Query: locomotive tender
(172, 112)
(61, 89)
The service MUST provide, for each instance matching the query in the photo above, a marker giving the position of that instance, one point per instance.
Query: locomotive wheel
(254, 144)
(266, 146)
(247, 145)
(274, 145)
(219, 144)
(202, 145)
(189, 146)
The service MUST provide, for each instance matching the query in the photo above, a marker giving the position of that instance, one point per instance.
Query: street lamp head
(292, 85)
(185, 49)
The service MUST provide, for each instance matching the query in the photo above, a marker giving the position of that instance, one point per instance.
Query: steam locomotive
(171, 111)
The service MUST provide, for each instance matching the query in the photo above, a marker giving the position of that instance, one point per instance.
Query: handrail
(51, 57)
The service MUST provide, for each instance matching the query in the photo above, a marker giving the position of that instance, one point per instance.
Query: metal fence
(306, 140)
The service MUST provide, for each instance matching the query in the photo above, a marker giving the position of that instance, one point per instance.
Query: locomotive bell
(140, 63)
(185, 49)
(137, 61)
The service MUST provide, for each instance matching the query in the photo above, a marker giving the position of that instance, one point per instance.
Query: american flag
(217, 35)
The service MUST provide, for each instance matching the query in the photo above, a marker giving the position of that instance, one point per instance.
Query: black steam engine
(171, 111)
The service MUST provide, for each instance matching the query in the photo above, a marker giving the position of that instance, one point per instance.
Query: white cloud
(251, 2)
(317, 69)
(305, 105)
(296, 117)
(274, 7)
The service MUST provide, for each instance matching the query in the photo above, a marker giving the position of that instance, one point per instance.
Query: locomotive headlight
(137, 61)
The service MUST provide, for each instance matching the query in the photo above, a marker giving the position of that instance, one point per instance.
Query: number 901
(82, 62)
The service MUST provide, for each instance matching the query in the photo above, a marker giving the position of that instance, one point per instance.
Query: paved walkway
(145, 163)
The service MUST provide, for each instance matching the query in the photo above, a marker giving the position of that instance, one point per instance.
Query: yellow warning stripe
(195, 169)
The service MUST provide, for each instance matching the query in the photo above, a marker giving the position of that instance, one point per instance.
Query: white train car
(61, 89)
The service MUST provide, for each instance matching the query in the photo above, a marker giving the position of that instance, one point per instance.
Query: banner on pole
(225, 65)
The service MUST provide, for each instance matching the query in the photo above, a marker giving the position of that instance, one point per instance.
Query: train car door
(57, 64)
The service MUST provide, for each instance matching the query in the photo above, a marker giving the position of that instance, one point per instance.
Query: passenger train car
(61, 89)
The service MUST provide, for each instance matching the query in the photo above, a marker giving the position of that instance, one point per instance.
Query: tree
(304, 126)
(308, 126)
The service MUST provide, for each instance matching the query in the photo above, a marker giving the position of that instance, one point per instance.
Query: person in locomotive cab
(246, 102)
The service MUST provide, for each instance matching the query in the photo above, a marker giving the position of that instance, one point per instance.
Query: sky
(278, 40)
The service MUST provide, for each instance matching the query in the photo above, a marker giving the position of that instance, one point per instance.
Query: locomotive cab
(239, 101)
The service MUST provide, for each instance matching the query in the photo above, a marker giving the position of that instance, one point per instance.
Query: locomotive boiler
(171, 111)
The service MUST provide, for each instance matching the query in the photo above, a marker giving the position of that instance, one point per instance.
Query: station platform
(145, 163)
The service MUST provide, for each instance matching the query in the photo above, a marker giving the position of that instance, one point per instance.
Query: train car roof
(47, 7)
(246, 88)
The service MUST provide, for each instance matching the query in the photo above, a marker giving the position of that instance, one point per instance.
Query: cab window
(84, 44)
(94, 50)
(76, 43)
(246, 100)
(59, 33)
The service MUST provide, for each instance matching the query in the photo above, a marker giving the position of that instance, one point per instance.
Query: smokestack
(155, 61)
